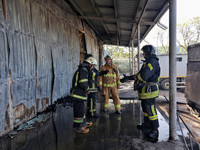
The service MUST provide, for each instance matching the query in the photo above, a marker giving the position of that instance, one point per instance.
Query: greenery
(188, 33)
(117, 51)
(122, 65)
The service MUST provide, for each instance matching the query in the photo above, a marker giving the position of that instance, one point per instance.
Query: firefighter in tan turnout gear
(110, 83)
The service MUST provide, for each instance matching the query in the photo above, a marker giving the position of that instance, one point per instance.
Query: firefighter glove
(103, 72)
(114, 70)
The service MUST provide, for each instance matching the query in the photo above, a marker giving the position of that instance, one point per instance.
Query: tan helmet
(108, 56)
(91, 60)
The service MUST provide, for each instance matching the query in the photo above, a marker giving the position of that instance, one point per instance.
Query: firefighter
(80, 90)
(146, 83)
(110, 83)
(92, 97)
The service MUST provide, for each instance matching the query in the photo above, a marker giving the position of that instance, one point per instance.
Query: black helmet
(149, 50)
(88, 55)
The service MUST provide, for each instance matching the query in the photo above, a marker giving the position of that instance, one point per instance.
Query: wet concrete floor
(109, 132)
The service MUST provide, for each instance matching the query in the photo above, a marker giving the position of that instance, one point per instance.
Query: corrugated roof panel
(107, 12)
(124, 25)
(127, 8)
(126, 11)
(98, 24)
(85, 6)
(104, 2)
(149, 15)
(125, 32)
(156, 4)
(111, 27)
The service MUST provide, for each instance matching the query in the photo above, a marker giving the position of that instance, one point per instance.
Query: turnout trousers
(79, 115)
(114, 91)
(91, 104)
(150, 114)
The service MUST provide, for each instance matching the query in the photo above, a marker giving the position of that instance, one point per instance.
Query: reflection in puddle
(107, 132)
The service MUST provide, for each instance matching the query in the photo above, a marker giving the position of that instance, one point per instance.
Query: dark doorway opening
(83, 50)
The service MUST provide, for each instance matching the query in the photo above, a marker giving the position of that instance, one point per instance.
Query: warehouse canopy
(115, 21)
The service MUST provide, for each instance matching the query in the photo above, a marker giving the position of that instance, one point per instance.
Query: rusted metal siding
(192, 87)
(1, 12)
(4, 86)
(39, 55)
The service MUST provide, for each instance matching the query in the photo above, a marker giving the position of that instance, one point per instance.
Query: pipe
(189, 131)
(172, 71)
(161, 25)
(140, 18)
(132, 59)
(186, 145)
(191, 145)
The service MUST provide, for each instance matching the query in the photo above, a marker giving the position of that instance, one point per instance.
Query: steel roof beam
(163, 10)
(99, 15)
(116, 16)
(139, 21)
(78, 9)
(107, 19)
(104, 6)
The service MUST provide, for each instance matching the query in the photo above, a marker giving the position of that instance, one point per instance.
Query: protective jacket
(148, 77)
(112, 78)
(92, 80)
(80, 83)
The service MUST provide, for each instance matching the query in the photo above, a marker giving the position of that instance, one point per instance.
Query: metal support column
(172, 70)
(138, 31)
(132, 59)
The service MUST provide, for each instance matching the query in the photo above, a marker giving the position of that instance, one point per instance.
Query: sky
(186, 9)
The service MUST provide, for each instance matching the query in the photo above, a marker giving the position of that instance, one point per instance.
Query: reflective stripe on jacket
(112, 78)
(150, 72)
(93, 79)
(80, 83)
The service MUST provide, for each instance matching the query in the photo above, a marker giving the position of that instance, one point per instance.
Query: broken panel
(44, 74)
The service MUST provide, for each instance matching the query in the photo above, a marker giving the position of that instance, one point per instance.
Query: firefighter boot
(153, 136)
(144, 128)
(87, 124)
(105, 110)
(118, 112)
(96, 116)
(81, 130)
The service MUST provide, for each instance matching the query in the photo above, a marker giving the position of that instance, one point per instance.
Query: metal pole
(172, 71)
(138, 31)
(132, 59)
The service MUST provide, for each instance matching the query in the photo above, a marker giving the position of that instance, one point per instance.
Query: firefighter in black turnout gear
(80, 90)
(146, 83)
(92, 97)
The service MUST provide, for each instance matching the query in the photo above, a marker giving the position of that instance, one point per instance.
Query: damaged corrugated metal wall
(192, 87)
(39, 46)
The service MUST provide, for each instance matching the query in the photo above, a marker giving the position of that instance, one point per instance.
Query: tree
(117, 52)
(164, 41)
(188, 33)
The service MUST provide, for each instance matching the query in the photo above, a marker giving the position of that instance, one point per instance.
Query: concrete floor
(109, 132)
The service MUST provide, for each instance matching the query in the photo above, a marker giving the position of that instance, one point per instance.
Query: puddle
(107, 132)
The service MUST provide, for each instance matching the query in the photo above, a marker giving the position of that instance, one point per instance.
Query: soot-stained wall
(39, 53)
